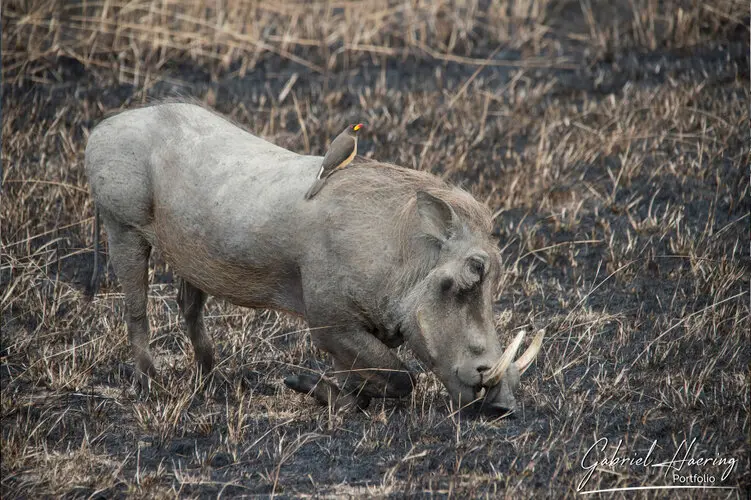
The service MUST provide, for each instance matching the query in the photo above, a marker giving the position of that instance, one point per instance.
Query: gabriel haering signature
(685, 468)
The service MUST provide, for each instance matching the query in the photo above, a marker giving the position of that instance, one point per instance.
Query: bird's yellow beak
(357, 127)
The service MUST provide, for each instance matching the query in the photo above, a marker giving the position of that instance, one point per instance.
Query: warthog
(382, 256)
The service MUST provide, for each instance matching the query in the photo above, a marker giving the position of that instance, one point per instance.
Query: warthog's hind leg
(191, 301)
(129, 253)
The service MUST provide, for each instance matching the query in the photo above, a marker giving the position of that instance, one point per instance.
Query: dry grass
(611, 140)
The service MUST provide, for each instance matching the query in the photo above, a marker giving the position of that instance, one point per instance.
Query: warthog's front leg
(325, 392)
(365, 368)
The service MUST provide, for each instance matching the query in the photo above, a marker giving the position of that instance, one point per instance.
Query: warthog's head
(449, 320)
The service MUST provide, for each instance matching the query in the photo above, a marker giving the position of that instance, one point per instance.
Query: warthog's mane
(388, 191)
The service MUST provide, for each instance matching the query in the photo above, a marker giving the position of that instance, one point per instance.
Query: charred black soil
(612, 143)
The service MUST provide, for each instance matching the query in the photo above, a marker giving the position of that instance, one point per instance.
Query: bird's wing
(320, 171)
(341, 150)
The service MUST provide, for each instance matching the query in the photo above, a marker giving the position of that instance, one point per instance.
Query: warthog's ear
(437, 217)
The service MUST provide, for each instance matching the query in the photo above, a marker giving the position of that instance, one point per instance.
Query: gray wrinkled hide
(378, 245)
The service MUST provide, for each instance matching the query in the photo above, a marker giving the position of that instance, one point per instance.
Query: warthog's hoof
(305, 383)
(143, 374)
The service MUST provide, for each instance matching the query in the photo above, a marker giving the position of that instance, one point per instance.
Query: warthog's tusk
(525, 360)
(495, 374)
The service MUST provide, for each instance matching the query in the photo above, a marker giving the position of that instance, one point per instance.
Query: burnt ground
(612, 144)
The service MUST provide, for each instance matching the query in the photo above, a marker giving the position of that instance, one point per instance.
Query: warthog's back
(187, 157)
(220, 203)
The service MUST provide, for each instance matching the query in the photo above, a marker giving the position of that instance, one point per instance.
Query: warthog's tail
(317, 185)
(93, 286)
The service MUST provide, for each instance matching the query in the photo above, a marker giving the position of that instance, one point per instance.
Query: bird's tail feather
(317, 185)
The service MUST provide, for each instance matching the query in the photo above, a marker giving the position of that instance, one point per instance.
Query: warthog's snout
(482, 378)
(502, 379)
(493, 384)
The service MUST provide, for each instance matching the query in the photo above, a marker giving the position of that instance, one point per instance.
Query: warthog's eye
(472, 273)
(477, 267)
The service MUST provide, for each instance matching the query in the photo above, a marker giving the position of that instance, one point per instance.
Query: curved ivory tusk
(497, 372)
(525, 360)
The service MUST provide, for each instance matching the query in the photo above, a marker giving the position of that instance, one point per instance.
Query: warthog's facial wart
(453, 327)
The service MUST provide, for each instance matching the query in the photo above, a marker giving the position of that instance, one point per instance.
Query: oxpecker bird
(342, 151)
